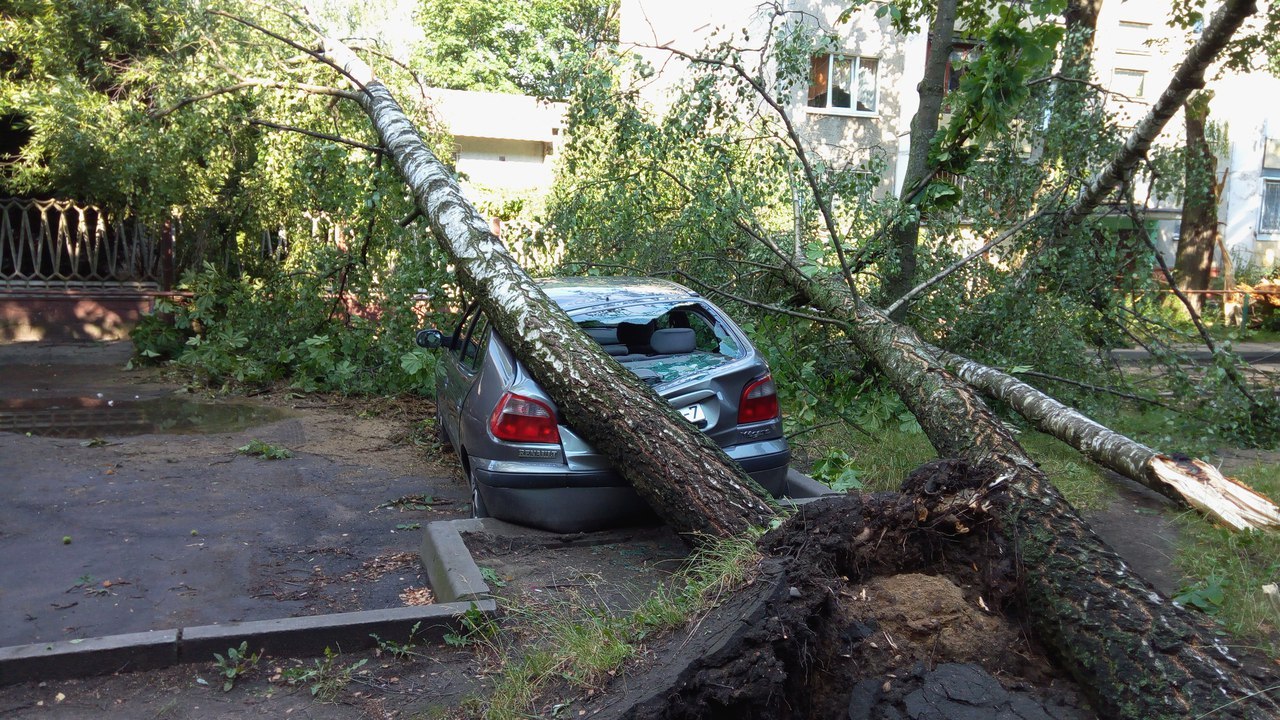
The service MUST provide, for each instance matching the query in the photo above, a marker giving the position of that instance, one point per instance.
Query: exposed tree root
(817, 635)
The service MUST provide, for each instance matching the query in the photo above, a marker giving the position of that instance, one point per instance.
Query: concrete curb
(801, 488)
(455, 579)
(297, 636)
(451, 571)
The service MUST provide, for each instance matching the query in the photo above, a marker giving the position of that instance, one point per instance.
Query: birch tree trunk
(683, 475)
(1187, 481)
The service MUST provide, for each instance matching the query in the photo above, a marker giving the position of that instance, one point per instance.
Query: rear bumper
(554, 498)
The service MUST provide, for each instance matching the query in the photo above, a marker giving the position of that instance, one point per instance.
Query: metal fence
(58, 242)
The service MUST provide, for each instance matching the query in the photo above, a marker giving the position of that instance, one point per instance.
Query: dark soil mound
(844, 621)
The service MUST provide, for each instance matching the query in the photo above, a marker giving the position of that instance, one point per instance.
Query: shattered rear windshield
(695, 341)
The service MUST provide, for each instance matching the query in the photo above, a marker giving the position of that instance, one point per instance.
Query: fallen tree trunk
(1188, 481)
(682, 473)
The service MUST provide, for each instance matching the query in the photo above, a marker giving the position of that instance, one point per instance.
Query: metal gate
(59, 242)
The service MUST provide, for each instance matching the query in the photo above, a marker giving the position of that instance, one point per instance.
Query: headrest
(635, 334)
(603, 335)
(672, 341)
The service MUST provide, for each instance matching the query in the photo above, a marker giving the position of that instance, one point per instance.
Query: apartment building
(501, 141)
(861, 97)
(1136, 50)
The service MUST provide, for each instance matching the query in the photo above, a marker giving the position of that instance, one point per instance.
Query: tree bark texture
(1188, 78)
(685, 476)
(1190, 482)
(906, 237)
(1198, 238)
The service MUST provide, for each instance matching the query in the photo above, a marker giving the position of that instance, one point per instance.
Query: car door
(462, 367)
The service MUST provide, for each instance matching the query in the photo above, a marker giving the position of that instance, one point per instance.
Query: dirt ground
(128, 508)
(122, 515)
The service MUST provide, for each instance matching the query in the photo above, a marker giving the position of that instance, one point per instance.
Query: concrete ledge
(453, 574)
(801, 488)
(344, 632)
(298, 636)
(91, 656)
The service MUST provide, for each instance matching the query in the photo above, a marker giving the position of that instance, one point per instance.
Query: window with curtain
(844, 82)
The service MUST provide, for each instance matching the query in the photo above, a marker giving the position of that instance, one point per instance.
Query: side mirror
(430, 339)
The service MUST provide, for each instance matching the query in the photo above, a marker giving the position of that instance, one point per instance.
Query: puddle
(85, 417)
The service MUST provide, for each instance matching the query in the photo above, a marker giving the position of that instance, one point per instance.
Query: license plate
(693, 414)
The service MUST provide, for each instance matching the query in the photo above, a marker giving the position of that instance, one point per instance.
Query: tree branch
(319, 135)
(793, 136)
(318, 55)
(253, 83)
(759, 305)
(1230, 369)
(912, 293)
(1188, 77)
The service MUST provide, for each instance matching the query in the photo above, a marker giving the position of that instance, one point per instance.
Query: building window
(1271, 154)
(1131, 83)
(957, 64)
(1132, 38)
(844, 82)
(1270, 208)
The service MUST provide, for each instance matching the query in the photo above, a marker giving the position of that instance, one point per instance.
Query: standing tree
(1199, 235)
(905, 236)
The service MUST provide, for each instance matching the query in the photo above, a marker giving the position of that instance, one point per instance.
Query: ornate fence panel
(56, 242)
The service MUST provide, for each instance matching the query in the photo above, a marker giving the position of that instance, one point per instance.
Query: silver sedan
(526, 466)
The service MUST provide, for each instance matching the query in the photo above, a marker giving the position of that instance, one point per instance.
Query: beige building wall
(840, 136)
(850, 136)
(502, 141)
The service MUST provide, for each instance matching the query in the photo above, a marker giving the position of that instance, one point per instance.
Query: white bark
(1189, 482)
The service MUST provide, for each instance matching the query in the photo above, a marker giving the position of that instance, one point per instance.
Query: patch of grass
(1162, 430)
(878, 461)
(1228, 569)
(401, 650)
(325, 678)
(1081, 482)
(580, 642)
(265, 450)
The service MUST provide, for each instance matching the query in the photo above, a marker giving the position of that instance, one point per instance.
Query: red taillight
(522, 419)
(759, 401)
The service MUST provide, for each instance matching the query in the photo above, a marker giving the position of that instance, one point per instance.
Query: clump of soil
(851, 617)
(902, 619)
(917, 642)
